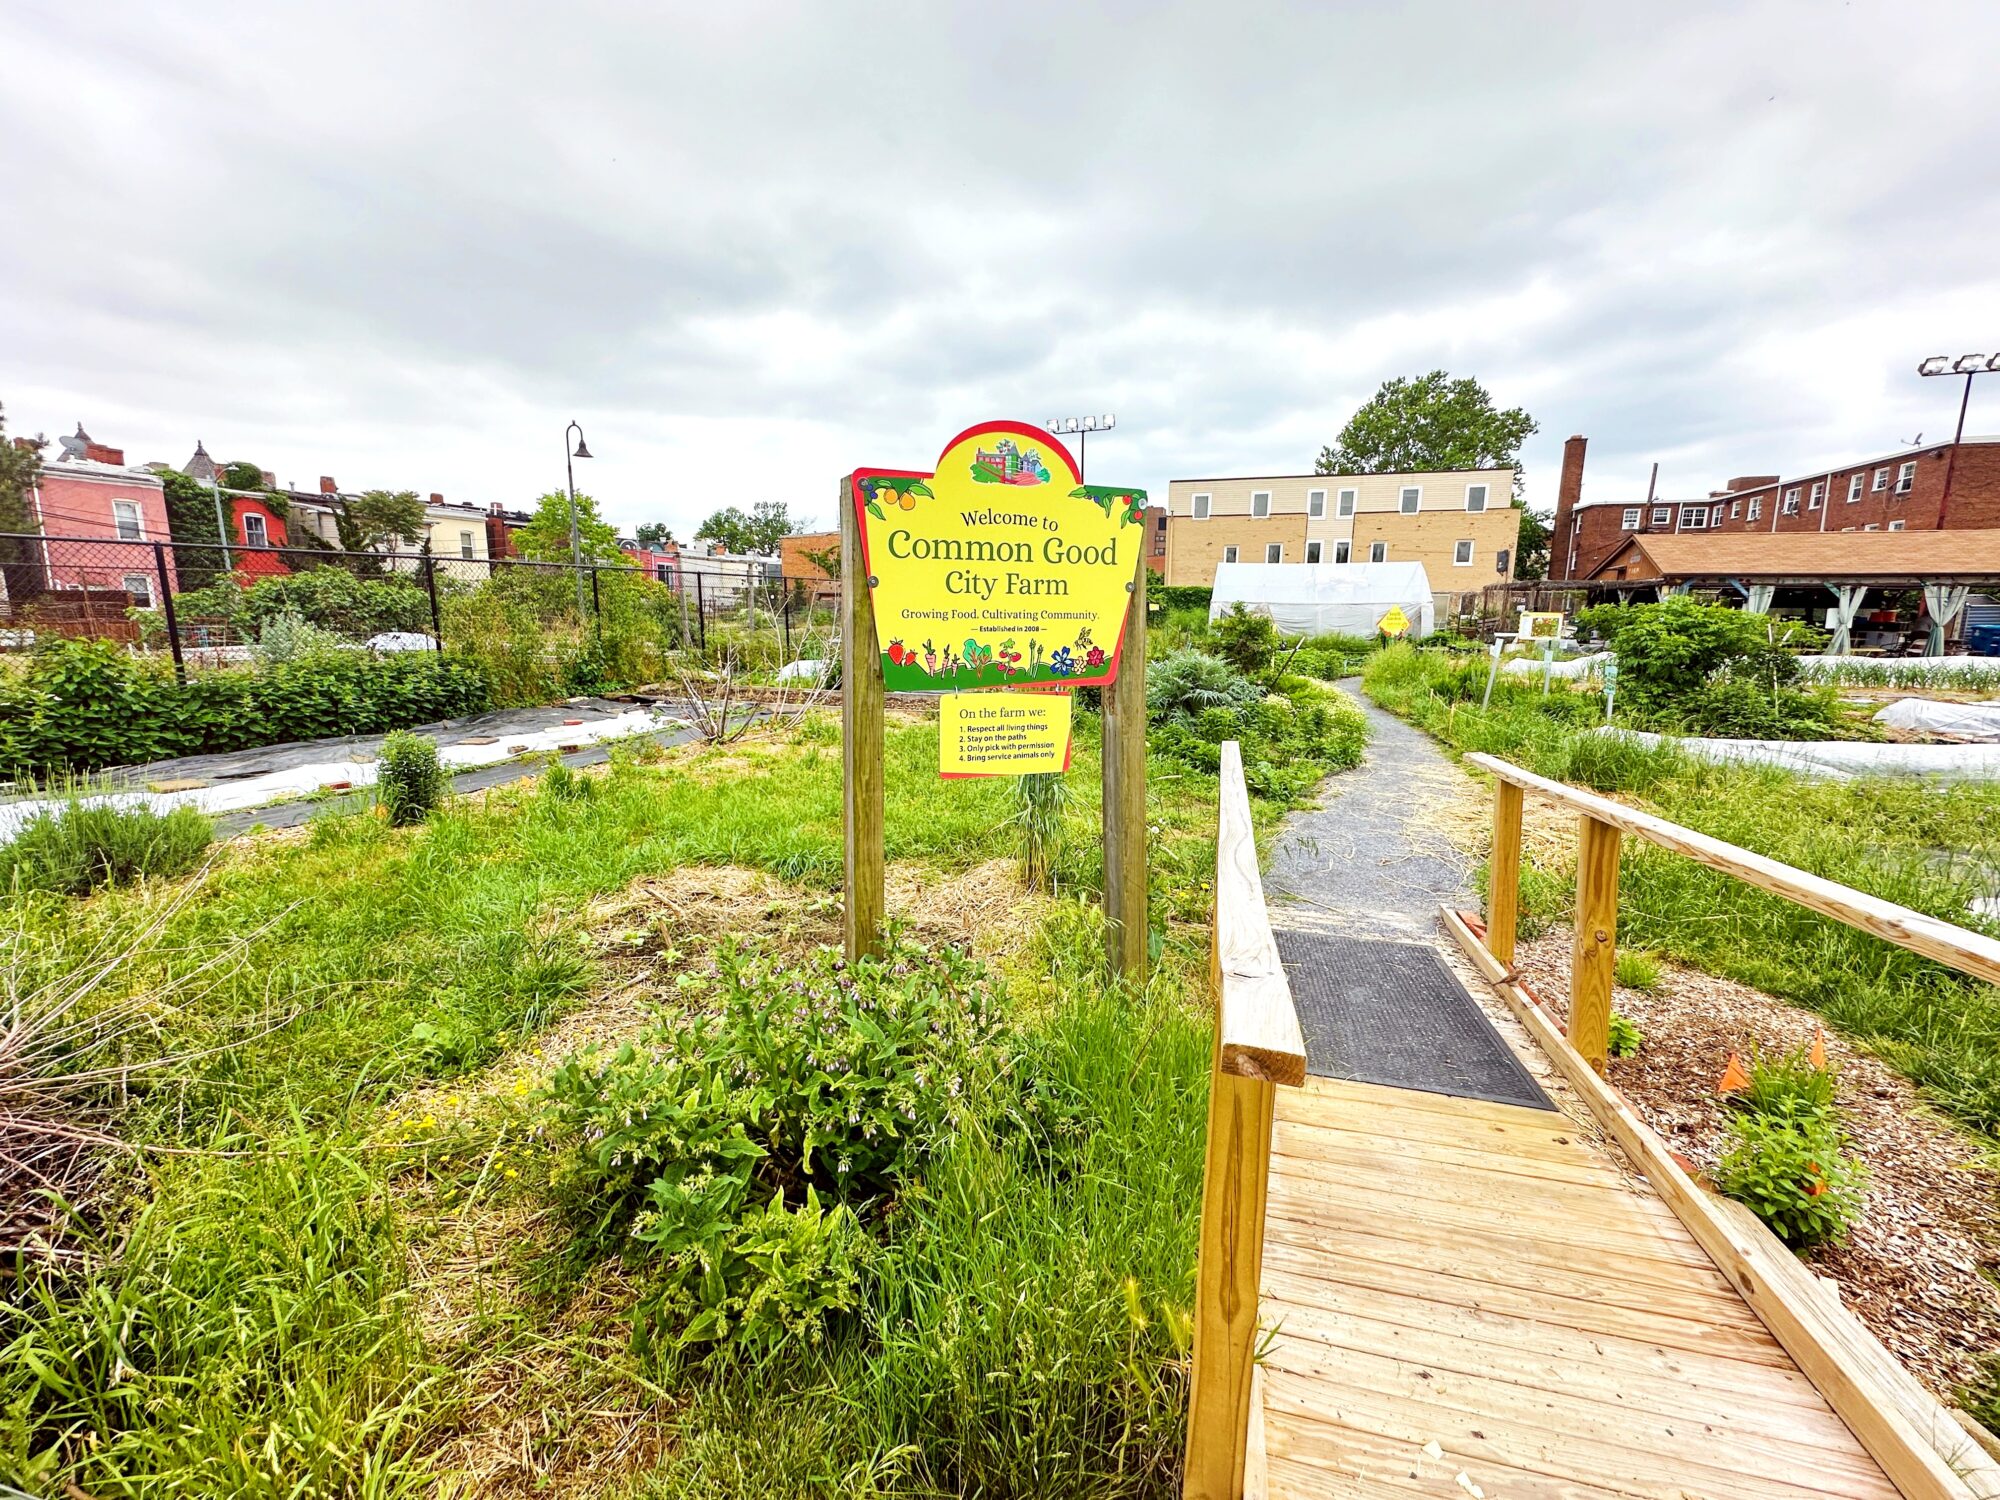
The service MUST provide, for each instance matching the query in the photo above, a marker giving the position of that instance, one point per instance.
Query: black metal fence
(541, 626)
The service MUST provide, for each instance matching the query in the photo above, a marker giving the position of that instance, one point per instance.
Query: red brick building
(1936, 487)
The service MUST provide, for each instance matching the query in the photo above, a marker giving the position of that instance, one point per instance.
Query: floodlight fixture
(1083, 427)
(1967, 365)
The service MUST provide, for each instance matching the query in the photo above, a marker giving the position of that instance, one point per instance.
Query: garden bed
(1919, 1264)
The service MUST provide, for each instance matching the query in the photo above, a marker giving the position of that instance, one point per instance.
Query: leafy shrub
(1185, 683)
(1179, 597)
(91, 844)
(411, 782)
(1247, 641)
(287, 637)
(1791, 1169)
(331, 598)
(712, 1142)
(1636, 969)
(84, 705)
(1626, 1038)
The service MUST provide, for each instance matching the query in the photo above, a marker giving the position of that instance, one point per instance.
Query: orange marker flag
(1734, 1079)
(1818, 1053)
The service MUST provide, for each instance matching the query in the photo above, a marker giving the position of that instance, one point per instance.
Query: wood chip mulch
(1919, 1268)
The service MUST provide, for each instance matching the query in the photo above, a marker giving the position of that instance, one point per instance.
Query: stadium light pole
(1082, 427)
(575, 531)
(1967, 365)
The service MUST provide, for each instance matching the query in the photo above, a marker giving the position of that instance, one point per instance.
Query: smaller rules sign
(1002, 734)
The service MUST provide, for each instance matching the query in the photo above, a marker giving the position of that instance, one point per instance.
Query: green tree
(192, 524)
(242, 476)
(1531, 547)
(654, 534)
(18, 467)
(758, 530)
(1431, 422)
(546, 537)
(376, 517)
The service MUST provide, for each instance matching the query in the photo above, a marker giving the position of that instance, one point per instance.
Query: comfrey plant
(745, 1149)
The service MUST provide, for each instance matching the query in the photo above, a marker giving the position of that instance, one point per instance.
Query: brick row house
(1950, 486)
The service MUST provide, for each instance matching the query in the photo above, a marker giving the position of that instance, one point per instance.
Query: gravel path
(1367, 860)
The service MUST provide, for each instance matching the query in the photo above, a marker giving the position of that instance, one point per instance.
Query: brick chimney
(100, 453)
(1569, 495)
(436, 499)
(327, 486)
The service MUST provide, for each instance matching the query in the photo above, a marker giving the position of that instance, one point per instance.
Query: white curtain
(1759, 599)
(1943, 601)
(1846, 605)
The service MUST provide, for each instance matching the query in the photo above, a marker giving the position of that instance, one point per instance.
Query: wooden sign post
(999, 570)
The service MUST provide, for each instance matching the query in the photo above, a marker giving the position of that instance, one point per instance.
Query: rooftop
(1814, 556)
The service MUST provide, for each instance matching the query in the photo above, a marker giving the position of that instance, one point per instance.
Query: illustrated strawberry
(897, 653)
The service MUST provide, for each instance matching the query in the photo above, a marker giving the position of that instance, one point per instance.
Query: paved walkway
(1371, 858)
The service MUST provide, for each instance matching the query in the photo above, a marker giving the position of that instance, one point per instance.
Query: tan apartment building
(1461, 525)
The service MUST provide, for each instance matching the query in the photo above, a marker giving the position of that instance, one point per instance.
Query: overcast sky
(753, 246)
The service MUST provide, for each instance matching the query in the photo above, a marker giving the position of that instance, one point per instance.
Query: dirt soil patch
(1920, 1265)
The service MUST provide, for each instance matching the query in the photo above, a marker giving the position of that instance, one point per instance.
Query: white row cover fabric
(297, 781)
(1896, 669)
(1317, 598)
(1840, 759)
(1965, 721)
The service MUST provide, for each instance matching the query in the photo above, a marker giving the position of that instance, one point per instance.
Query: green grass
(251, 1325)
(1927, 847)
(87, 844)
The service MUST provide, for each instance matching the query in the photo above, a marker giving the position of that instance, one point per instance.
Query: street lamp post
(1967, 365)
(575, 531)
(1082, 427)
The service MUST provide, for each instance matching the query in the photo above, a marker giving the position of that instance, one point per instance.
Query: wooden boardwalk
(1482, 1289)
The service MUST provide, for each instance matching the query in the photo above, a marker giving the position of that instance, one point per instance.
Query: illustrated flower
(1060, 664)
(1095, 657)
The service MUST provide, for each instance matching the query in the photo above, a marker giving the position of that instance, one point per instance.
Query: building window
(1342, 551)
(1790, 505)
(1260, 504)
(1854, 483)
(1201, 507)
(1378, 551)
(254, 534)
(1461, 554)
(1316, 503)
(1630, 520)
(1715, 516)
(1229, 554)
(1895, 525)
(465, 544)
(1882, 478)
(1475, 497)
(1274, 552)
(1313, 551)
(1735, 509)
(1346, 503)
(1906, 477)
(1412, 495)
(140, 587)
(1694, 517)
(125, 518)
(1662, 514)
(1756, 507)
(1872, 526)
(1818, 494)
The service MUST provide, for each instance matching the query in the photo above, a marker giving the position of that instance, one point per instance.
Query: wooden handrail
(1258, 1045)
(1924, 1453)
(1260, 1028)
(1969, 952)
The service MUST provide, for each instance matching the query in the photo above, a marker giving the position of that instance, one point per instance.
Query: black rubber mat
(1392, 1013)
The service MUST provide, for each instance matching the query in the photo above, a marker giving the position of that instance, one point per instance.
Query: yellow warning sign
(1002, 734)
(1395, 622)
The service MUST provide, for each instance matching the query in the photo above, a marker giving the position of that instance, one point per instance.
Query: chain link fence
(541, 630)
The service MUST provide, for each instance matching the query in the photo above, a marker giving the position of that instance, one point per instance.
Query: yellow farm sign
(1395, 622)
(1002, 734)
(1000, 569)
